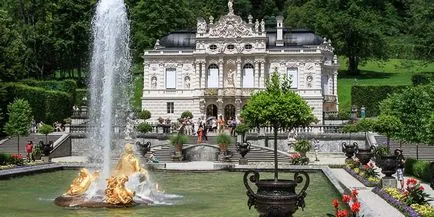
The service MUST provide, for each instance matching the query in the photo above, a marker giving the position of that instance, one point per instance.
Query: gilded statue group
(116, 191)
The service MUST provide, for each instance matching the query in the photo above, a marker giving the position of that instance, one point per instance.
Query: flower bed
(412, 202)
(9, 161)
(366, 174)
(348, 201)
(297, 159)
(406, 210)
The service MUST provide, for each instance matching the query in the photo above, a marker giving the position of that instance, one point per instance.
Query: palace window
(170, 107)
(170, 78)
(213, 47)
(292, 74)
(248, 76)
(213, 76)
(248, 46)
(230, 47)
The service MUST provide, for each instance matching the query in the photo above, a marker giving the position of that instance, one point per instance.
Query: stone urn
(47, 148)
(276, 198)
(388, 165)
(349, 150)
(243, 149)
(364, 155)
(144, 147)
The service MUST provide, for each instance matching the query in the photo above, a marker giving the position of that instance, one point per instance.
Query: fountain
(129, 183)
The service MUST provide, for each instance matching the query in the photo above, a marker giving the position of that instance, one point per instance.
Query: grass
(211, 194)
(391, 72)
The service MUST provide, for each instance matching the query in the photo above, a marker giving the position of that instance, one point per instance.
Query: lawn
(392, 72)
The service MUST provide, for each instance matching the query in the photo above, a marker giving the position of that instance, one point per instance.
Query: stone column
(161, 77)
(238, 106)
(256, 74)
(221, 73)
(239, 74)
(262, 77)
(146, 76)
(204, 74)
(335, 83)
(197, 76)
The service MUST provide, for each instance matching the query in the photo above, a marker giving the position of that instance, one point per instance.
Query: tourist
(213, 125)
(233, 126)
(29, 151)
(153, 158)
(199, 134)
(220, 124)
(33, 130)
(400, 167)
(229, 124)
(205, 131)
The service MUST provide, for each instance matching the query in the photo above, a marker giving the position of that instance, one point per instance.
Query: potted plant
(302, 147)
(224, 140)
(145, 115)
(178, 140)
(242, 129)
(37, 154)
(379, 153)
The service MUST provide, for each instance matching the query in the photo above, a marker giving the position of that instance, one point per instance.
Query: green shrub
(144, 127)
(47, 105)
(302, 146)
(419, 169)
(422, 78)
(4, 158)
(224, 139)
(371, 96)
(242, 129)
(68, 86)
(187, 114)
(145, 114)
(178, 139)
(408, 166)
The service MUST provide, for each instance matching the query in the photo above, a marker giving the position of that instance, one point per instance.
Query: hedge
(371, 96)
(69, 86)
(422, 78)
(419, 169)
(47, 105)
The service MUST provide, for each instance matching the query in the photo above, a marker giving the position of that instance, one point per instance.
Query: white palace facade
(214, 69)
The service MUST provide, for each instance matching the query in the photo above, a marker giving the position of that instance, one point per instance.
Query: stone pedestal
(243, 161)
(388, 182)
(46, 159)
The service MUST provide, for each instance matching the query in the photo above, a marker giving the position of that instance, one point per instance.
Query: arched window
(248, 76)
(213, 76)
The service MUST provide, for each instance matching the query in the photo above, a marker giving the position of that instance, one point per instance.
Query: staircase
(420, 152)
(10, 145)
(256, 154)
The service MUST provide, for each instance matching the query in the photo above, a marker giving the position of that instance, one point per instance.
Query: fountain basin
(81, 202)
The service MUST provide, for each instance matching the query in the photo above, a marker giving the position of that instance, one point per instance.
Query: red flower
(355, 208)
(354, 192)
(411, 181)
(342, 213)
(365, 167)
(421, 188)
(346, 198)
(335, 203)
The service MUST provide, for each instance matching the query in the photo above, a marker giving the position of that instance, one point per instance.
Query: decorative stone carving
(187, 82)
(154, 82)
(250, 18)
(230, 6)
(219, 101)
(157, 44)
(230, 26)
(211, 20)
(257, 26)
(201, 25)
(202, 105)
(262, 25)
(309, 80)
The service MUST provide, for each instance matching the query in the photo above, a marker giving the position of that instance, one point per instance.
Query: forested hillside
(44, 38)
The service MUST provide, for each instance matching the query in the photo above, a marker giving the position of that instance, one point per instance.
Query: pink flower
(346, 198)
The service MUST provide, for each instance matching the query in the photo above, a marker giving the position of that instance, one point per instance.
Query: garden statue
(116, 192)
(81, 183)
(243, 149)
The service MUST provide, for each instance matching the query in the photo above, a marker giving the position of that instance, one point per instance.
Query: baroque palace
(214, 70)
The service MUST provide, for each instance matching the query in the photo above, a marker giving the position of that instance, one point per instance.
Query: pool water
(212, 194)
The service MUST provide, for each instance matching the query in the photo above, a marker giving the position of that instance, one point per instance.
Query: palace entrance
(229, 112)
(211, 110)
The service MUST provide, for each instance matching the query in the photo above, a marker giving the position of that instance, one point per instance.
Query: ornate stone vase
(388, 165)
(364, 155)
(47, 148)
(348, 150)
(276, 198)
(144, 147)
(243, 148)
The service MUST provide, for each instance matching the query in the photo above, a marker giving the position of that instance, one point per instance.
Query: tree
(388, 125)
(12, 64)
(46, 129)
(145, 114)
(279, 107)
(187, 114)
(413, 107)
(355, 27)
(20, 119)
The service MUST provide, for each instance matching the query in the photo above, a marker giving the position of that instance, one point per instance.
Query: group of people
(58, 126)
